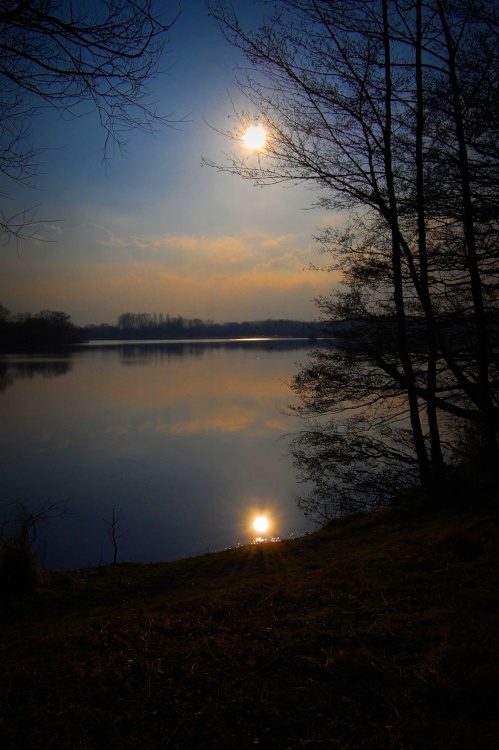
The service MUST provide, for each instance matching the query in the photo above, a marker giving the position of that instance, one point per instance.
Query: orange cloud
(101, 274)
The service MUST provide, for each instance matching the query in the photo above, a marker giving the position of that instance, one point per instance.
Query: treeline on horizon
(44, 330)
(159, 326)
(54, 329)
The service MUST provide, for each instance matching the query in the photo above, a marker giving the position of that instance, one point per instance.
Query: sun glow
(261, 524)
(255, 137)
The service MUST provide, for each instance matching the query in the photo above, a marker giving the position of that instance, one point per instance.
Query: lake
(186, 438)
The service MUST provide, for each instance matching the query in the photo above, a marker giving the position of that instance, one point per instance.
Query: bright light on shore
(261, 524)
(255, 137)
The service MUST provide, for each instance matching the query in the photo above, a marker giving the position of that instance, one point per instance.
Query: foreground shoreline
(377, 632)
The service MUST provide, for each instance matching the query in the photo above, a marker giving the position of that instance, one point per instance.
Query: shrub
(18, 569)
(19, 572)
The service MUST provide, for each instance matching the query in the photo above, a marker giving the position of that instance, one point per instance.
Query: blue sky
(157, 231)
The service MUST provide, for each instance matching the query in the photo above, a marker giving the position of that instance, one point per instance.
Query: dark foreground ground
(379, 632)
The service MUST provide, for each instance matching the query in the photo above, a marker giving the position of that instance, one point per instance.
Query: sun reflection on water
(261, 539)
(262, 521)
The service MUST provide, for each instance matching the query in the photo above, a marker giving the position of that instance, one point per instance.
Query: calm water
(185, 438)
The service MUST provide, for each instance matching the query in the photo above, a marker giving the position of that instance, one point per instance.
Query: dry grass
(378, 632)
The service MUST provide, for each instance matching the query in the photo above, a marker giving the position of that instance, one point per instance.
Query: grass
(380, 631)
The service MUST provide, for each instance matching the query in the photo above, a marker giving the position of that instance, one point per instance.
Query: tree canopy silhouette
(389, 109)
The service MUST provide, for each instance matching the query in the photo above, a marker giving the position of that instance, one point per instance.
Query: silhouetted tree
(48, 329)
(114, 531)
(4, 314)
(388, 107)
(147, 326)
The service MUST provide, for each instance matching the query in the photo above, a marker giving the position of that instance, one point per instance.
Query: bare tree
(72, 55)
(114, 530)
(379, 105)
(21, 520)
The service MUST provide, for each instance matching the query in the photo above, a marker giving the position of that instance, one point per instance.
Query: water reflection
(10, 371)
(185, 439)
(265, 540)
(155, 352)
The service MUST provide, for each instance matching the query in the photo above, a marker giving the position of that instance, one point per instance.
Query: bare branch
(65, 54)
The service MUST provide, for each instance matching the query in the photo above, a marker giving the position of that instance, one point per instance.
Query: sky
(158, 231)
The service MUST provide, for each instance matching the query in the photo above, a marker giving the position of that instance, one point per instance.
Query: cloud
(122, 243)
(278, 241)
(95, 274)
(218, 251)
(195, 252)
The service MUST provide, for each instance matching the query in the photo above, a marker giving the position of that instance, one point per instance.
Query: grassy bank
(379, 632)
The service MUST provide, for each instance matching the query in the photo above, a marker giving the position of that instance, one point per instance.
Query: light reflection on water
(264, 540)
(185, 438)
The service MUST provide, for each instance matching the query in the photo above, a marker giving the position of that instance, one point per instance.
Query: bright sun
(261, 524)
(255, 137)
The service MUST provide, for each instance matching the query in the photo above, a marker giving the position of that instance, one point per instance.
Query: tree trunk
(484, 400)
(396, 259)
(437, 461)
